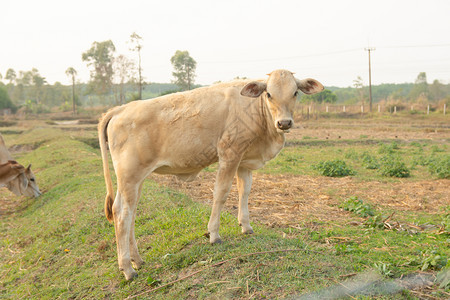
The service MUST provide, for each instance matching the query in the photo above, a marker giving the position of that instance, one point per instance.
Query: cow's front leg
(224, 179)
(244, 184)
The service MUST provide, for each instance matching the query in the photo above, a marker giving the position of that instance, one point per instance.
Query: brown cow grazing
(10, 171)
(240, 124)
(25, 184)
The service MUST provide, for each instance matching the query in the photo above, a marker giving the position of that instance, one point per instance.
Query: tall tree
(21, 90)
(71, 72)
(436, 90)
(100, 58)
(326, 96)
(5, 101)
(123, 71)
(420, 89)
(359, 86)
(184, 66)
(136, 42)
(11, 76)
(38, 83)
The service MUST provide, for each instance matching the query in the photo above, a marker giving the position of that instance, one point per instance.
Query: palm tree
(72, 72)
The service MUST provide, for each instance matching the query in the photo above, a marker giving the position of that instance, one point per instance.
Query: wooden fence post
(395, 109)
(428, 109)
(445, 106)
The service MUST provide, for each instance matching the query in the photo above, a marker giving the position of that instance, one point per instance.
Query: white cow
(240, 124)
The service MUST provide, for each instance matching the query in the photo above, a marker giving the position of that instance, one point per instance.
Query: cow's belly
(186, 164)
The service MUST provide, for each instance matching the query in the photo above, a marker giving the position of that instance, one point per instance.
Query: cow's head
(280, 93)
(25, 184)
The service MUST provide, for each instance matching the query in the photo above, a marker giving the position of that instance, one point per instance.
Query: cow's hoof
(216, 241)
(130, 274)
(248, 231)
(137, 264)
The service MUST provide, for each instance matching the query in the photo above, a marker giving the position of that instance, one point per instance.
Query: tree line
(116, 79)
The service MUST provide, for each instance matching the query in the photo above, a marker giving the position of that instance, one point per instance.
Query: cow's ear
(309, 86)
(29, 167)
(253, 89)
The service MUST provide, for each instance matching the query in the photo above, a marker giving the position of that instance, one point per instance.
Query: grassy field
(60, 245)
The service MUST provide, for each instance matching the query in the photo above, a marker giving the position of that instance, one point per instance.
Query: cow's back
(181, 131)
(5, 156)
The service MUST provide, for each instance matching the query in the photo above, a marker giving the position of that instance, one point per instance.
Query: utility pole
(370, 78)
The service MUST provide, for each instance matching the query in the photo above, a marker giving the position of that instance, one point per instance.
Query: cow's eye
(269, 95)
(32, 179)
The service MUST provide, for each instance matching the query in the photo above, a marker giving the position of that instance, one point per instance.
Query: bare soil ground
(289, 200)
(381, 130)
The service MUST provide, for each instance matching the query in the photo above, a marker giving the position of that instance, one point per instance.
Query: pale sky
(323, 39)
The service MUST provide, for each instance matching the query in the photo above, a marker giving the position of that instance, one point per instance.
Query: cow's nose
(284, 124)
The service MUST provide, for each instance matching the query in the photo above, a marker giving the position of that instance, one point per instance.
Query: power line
(322, 54)
(283, 58)
(416, 46)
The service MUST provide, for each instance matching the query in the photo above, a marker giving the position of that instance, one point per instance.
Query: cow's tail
(103, 138)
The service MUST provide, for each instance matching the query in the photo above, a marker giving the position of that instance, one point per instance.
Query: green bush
(388, 148)
(393, 166)
(440, 166)
(370, 161)
(357, 206)
(5, 100)
(433, 260)
(334, 168)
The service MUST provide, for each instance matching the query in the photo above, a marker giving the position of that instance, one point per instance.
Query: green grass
(60, 245)
(423, 160)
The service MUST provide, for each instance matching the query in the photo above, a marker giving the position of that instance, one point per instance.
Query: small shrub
(351, 154)
(440, 166)
(388, 148)
(420, 160)
(433, 260)
(383, 269)
(436, 149)
(370, 161)
(357, 206)
(334, 168)
(375, 221)
(393, 166)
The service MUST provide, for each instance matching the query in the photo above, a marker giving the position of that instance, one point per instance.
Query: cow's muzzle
(284, 124)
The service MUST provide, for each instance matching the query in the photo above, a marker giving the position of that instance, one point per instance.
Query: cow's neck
(273, 137)
(271, 131)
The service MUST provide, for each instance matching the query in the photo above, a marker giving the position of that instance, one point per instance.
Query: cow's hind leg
(136, 259)
(244, 184)
(124, 209)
